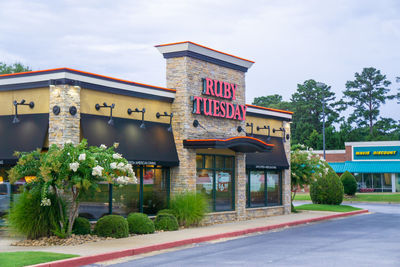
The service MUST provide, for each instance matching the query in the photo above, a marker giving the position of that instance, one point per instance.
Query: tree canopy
(366, 94)
(13, 68)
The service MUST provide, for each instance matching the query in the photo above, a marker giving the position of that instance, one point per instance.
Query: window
(263, 188)
(215, 179)
(149, 195)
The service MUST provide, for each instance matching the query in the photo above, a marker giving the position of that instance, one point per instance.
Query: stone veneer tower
(187, 64)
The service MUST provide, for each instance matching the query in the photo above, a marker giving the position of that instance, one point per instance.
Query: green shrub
(327, 190)
(349, 183)
(166, 222)
(29, 218)
(140, 223)
(81, 226)
(189, 208)
(166, 211)
(112, 226)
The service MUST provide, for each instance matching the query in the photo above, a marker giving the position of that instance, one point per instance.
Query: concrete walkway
(139, 244)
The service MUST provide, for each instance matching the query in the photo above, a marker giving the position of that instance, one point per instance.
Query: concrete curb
(84, 260)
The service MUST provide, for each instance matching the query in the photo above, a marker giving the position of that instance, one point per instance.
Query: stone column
(240, 186)
(64, 127)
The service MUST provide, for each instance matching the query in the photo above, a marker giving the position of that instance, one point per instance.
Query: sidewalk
(116, 248)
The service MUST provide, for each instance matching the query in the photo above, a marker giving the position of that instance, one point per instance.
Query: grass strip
(24, 258)
(324, 207)
(361, 197)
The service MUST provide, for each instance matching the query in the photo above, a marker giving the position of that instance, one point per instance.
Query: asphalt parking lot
(364, 240)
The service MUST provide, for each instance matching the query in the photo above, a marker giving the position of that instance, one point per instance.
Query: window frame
(214, 170)
(248, 186)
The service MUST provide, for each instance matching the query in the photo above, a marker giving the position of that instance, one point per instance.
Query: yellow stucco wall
(40, 96)
(257, 121)
(89, 98)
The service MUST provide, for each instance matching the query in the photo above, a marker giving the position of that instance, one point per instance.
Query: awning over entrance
(243, 144)
(366, 166)
(273, 159)
(25, 136)
(153, 145)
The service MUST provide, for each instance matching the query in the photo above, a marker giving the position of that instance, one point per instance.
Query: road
(363, 240)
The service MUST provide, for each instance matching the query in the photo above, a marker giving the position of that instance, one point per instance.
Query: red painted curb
(84, 260)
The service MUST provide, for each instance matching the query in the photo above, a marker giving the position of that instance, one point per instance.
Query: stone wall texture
(64, 127)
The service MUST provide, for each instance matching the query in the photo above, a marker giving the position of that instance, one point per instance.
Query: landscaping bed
(73, 240)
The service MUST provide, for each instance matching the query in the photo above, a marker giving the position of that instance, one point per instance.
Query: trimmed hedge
(81, 226)
(327, 190)
(112, 226)
(166, 222)
(349, 183)
(140, 223)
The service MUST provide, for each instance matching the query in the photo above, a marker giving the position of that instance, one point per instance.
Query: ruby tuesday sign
(218, 108)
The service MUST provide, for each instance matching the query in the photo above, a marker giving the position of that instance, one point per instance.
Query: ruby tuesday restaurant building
(195, 135)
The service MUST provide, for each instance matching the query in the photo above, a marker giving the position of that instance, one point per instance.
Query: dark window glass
(204, 184)
(257, 188)
(94, 205)
(224, 190)
(209, 162)
(273, 188)
(219, 162)
(229, 162)
(199, 161)
(154, 190)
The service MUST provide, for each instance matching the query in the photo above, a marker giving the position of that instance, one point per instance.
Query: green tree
(13, 68)
(272, 101)
(307, 104)
(366, 94)
(306, 167)
(71, 171)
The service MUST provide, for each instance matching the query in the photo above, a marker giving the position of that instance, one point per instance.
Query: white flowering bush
(306, 167)
(72, 170)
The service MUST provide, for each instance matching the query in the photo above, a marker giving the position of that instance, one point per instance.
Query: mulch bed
(73, 240)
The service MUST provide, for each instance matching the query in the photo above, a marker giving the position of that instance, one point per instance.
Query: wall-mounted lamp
(240, 129)
(265, 128)
(142, 126)
(112, 106)
(158, 115)
(281, 129)
(56, 110)
(22, 103)
(73, 110)
(250, 125)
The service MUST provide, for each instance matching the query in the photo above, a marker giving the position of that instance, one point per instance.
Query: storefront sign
(218, 108)
(142, 162)
(266, 167)
(376, 153)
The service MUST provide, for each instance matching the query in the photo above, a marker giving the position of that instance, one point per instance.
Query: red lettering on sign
(196, 104)
(207, 107)
(209, 84)
(237, 113)
(243, 108)
(230, 112)
(222, 106)
(216, 108)
(227, 91)
(233, 88)
(219, 90)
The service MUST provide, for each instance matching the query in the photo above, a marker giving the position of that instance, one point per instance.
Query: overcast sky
(290, 41)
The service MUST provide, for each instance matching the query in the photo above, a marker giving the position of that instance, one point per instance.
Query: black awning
(273, 159)
(243, 144)
(153, 145)
(25, 136)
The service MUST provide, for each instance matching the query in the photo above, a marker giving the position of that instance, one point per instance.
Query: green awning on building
(366, 166)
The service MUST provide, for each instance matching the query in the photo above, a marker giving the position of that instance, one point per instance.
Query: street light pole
(322, 86)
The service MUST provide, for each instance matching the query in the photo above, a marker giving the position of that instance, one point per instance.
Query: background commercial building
(197, 134)
(375, 165)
